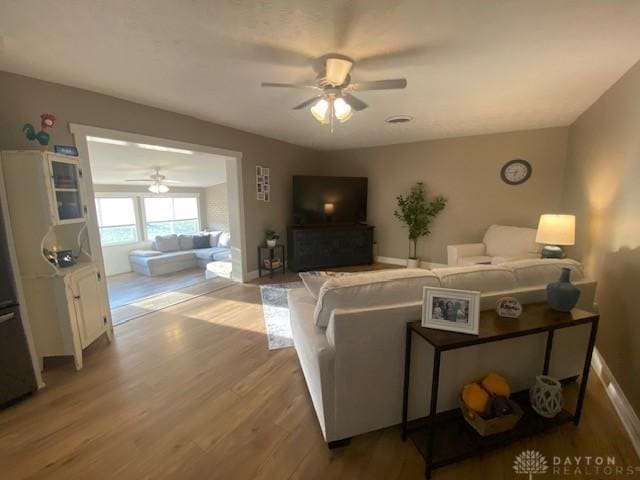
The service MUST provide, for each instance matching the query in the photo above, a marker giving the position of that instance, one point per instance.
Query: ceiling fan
(158, 181)
(334, 98)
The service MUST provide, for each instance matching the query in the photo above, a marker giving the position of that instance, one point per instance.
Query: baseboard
(621, 404)
(252, 275)
(392, 260)
(403, 262)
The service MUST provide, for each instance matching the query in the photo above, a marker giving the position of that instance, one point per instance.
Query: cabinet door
(65, 190)
(88, 303)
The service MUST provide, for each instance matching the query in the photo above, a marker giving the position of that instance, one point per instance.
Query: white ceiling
(113, 164)
(473, 66)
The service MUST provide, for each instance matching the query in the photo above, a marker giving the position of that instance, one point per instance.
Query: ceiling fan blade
(138, 180)
(287, 85)
(391, 84)
(171, 181)
(354, 102)
(307, 102)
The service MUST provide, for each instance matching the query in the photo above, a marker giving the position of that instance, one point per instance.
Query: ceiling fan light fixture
(337, 70)
(342, 110)
(320, 110)
(158, 188)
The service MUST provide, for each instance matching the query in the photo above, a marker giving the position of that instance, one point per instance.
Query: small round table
(273, 252)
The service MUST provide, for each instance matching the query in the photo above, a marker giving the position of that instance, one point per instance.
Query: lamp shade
(556, 229)
(329, 208)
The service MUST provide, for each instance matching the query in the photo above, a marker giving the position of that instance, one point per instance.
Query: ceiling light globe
(320, 110)
(342, 109)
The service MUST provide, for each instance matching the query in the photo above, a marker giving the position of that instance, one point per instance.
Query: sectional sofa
(350, 340)
(173, 253)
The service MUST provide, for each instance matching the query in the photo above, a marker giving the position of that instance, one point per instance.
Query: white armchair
(500, 244)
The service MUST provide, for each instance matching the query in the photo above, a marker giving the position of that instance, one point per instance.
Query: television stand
(332, 245)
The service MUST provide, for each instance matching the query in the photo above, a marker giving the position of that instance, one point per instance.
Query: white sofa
(354, 366)
(173, 253)
(500, 244)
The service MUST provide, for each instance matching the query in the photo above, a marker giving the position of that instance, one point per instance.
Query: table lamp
(554, 231)
(329, 209)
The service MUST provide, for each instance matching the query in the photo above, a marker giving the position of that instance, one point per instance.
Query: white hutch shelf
(67, 307)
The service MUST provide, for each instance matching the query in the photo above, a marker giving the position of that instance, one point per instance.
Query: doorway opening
(165, 218)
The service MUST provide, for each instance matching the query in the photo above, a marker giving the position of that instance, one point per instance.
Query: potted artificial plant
(417, 214)
(271, 237)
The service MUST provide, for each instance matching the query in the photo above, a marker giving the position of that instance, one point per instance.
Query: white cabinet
(90, 317)
(68, 307)
(65, 189)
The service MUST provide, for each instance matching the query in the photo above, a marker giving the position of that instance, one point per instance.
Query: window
(167, 215)
(117, 220)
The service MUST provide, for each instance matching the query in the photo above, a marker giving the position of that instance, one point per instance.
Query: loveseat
(501, 243)
(351, 341)
(173, 253)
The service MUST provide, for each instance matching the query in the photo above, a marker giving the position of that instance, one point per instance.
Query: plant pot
(413, 263)
(271, 242)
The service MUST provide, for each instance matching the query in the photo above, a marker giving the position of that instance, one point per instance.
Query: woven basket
(491, 426)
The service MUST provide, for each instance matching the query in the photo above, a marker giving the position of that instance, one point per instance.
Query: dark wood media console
(312, 247)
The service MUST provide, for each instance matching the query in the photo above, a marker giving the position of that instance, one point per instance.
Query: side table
(272, 255)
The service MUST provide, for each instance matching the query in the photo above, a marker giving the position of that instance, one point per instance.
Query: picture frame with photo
(452, 310)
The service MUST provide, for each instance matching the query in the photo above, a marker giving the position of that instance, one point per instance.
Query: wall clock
(516, 172)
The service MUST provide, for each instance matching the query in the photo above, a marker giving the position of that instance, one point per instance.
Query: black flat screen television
(329, 200)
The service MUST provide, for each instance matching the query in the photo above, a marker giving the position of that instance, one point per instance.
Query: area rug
(158, 302)
(276, 313)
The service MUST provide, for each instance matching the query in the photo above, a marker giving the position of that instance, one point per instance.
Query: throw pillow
(201, 241)
(167, 243)
(224, 240)
(185, 242)
(215, 236)
(313, 281)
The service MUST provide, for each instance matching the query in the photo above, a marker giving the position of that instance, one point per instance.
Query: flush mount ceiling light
(333, 87)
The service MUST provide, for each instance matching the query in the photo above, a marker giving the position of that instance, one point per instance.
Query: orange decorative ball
(496, 384)
(475, 397)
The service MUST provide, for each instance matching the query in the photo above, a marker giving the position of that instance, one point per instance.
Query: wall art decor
(263, 184)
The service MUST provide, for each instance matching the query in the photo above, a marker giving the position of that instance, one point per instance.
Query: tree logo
(530, 462)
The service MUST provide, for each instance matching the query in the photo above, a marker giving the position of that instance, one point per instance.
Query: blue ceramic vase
(562, 295)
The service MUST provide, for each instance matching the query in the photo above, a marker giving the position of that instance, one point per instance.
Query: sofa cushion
(370, 289)
(479, 278)
(509, 241)
(185, 242)
(313, 281)
(224, 240)
(214, 237)
(543, 271)
(165, 258)
(201, 241)
(479, 260)
(145, 253)
(167, 243)
(209, 253)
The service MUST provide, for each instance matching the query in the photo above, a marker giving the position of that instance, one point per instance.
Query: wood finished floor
(191, 392)
(126, 288)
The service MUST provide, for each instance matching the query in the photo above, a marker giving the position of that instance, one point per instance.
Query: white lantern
(546, 396)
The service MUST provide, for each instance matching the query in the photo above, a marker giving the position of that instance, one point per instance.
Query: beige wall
(217, 208)
(603, 190)
(22, 99)
(465, 170)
